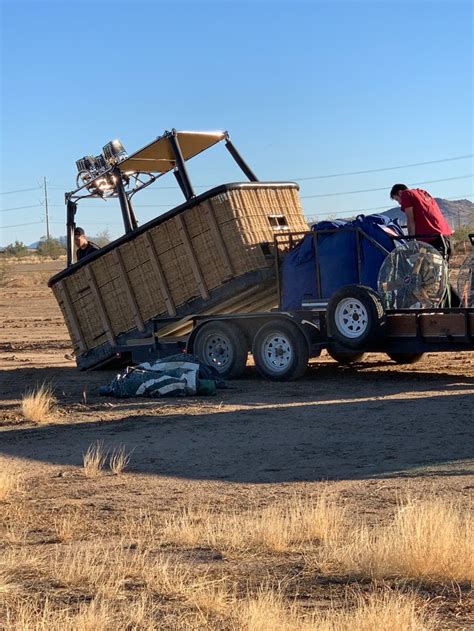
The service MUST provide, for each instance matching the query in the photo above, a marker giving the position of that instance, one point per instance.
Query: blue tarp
(337, 253)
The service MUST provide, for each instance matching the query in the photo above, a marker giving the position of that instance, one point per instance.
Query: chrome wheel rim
(351, 318)
(277, 352)
(218, 351)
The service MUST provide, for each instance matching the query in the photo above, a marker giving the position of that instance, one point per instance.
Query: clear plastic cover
(413, 276)
(465, 284)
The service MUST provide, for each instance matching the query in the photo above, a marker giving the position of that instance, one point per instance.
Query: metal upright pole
(240, 161)
(124, 202)
(46, 207)
(70, 225)
(183, 180)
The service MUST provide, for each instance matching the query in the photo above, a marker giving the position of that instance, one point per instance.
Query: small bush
(38, 405)
(119, 460)
(94, 459)
(50, 247)
(17, 249)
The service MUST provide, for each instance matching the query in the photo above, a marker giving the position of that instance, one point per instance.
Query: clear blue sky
(305, 89)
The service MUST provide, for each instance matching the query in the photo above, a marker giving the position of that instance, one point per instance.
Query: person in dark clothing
(84, 246)
(424, 217)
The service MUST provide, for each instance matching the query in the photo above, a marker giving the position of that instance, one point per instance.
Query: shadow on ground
(308, 440)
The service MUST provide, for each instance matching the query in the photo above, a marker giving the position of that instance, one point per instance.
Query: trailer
(352, 322)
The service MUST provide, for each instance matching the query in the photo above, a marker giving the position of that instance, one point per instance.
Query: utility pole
(46, 207)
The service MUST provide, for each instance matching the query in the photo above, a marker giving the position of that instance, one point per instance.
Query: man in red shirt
(424, 217)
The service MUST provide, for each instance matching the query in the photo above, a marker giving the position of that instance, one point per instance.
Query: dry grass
(67, 525)
(97, 615)
(3, 273)
(119, 460)
(110, 569)
(388, 612)
(132, 582)
(281, 527)
(39, 404)
(10, 483)
(94, 459)
(431, 540)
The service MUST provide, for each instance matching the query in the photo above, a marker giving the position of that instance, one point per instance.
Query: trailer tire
(345, 357)
(405, 358)
(223, 346)
(355, 316)
(280, 351)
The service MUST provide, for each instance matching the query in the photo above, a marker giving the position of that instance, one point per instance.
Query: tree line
(48, 247)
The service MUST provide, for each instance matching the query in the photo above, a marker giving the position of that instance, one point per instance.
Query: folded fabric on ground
(177, 375)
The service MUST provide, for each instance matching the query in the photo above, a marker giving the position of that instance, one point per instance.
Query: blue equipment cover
(337, 255)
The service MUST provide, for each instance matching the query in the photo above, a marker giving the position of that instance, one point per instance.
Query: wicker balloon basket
(211, 253)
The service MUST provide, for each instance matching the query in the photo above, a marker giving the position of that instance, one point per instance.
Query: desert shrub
(102, 238)
(119, 459)
(38, 404)
(17, 249)
(50, 247)
(94, 459)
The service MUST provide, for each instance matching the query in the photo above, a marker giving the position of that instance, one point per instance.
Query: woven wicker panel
(134, 253)
(117, 306)
(208, 256)
(78, 285)
(88, 315)
(147, 291)
(209, 259)
(72, 333)
(105, 269)
(196, 220)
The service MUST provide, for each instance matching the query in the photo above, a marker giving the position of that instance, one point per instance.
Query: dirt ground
(372, 432)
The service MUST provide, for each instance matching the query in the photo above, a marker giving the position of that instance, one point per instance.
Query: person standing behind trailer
(424, 217)
(84, 246)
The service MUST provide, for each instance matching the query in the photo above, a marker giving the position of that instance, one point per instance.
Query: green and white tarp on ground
(177, 375)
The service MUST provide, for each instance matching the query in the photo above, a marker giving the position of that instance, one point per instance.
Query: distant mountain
(458, 212)
(34, 246)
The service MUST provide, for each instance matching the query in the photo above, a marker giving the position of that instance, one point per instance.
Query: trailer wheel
(355, 316)
(345, 356)
(223, 346)
(280, 351)
(405, 358)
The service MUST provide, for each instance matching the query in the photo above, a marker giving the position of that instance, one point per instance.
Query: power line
(359, 210)
(7, 210)
(402, 166)
(384, 188)
(333, 175)
(23, 190)
(18, 225)
(298, 179)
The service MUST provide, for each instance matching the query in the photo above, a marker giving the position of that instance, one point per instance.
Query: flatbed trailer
(282, 342)
(348, 325)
